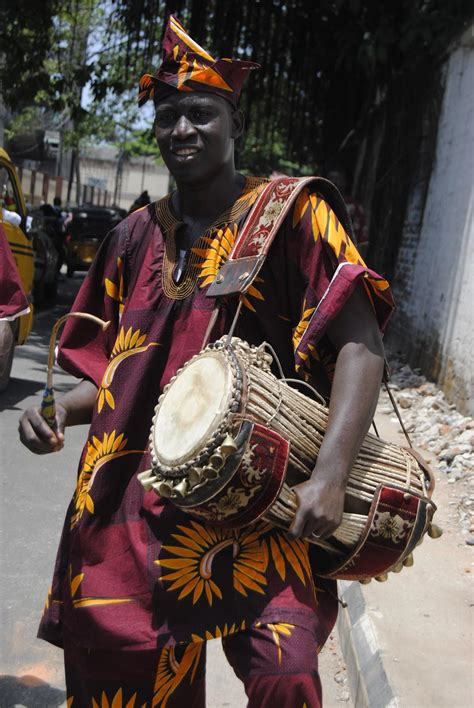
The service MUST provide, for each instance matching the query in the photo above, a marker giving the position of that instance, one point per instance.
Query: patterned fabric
(186, 66)
(277, 663)
(132, 570)
(13, 301)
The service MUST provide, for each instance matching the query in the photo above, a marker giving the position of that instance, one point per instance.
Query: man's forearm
(354, 396)
(79, 403)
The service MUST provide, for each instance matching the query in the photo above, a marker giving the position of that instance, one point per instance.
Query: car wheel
(7, 347)
(51, 289)
(39, 290)
(70, 271)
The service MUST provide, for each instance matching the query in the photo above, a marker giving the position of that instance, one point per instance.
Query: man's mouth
(185, 151)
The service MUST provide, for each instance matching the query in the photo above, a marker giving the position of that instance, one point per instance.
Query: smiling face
(195, 134)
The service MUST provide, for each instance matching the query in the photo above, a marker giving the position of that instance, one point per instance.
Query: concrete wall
(435, 268)
(138, 174)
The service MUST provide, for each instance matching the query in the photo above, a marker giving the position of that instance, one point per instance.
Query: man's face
(195, 134)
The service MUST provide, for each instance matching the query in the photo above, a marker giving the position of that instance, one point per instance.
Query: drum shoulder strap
(261, 226)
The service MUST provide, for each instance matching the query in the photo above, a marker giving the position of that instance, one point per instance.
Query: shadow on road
(29, 691)
(18, 390)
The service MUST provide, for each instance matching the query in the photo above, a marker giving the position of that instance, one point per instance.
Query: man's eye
(164, 119)
(200, 115)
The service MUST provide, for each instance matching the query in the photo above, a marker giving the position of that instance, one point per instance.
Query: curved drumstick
(48, 404)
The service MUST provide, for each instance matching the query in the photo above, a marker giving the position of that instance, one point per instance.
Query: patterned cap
(188, 67)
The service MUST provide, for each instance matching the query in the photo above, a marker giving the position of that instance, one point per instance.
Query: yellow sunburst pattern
(116, 701)
(171, 672)
(74, 585)
(98, 453)
(116, 290)
(190, 562)
(226, 631)
(293, 554)
(219, 246)
(278, 629)
(127, 344)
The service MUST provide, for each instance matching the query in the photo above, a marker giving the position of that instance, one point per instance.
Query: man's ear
(238, 123)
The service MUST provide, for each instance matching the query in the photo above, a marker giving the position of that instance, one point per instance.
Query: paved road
(34, 493)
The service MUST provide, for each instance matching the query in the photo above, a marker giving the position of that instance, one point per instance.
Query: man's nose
(183, 128)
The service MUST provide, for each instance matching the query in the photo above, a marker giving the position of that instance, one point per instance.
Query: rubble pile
(436, 426)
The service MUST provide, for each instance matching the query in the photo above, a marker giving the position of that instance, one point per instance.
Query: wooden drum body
(229, 440)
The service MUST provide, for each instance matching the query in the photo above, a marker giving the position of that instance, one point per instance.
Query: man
(338, 176)
(140, 586)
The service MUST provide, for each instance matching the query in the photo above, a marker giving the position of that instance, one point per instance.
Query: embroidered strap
(261, 226)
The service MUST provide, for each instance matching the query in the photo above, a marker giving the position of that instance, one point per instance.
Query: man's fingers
(41, 428)
(297, 525)
(36, 434)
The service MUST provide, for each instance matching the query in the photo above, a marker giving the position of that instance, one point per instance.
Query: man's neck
(205, 201)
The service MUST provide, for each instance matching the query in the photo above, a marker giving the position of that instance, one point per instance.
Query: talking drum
(229, 440)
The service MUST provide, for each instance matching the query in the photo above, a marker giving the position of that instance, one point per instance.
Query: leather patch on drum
(395, 524)
(255, 485)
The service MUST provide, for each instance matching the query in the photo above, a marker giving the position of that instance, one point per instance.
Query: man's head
(337, 176)
(57, 201)
(187, 67)
(196, 133)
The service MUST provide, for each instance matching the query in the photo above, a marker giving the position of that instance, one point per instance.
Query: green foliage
(26, 33)
(327, 66)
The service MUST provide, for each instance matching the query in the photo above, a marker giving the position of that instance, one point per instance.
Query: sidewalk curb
(368, 680)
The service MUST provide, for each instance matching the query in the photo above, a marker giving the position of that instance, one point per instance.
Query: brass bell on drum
(409, 561)
(434, 531)
(210, 473)
(365, 581)
(163, 489)
(228, 445)
(146, 479)
(217, 461)
(194, 476)
(381, 578)
(181, 489)
(397, 568)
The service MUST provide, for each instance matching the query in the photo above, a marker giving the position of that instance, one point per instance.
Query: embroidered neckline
(170, 224)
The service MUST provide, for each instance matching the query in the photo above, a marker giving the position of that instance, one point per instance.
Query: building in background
(124, 178)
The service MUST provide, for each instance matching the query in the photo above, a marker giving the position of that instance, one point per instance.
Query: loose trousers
(277, 663)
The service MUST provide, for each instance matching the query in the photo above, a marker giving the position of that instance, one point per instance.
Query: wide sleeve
(329, 267)
(84, 348)
(13, 301)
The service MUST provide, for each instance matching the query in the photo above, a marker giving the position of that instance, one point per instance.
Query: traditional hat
(186, 66)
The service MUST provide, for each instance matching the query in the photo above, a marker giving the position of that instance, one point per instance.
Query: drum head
(193, 407)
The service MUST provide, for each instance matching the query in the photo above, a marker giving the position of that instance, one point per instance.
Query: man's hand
(74, 408)
(36, 434)
(320, 507)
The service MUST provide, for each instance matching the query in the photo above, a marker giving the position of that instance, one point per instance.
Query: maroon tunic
(133, 572)
(13, 301)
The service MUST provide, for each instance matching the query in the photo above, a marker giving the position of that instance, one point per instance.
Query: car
(15, 221)
(85, 231)
(46, 256)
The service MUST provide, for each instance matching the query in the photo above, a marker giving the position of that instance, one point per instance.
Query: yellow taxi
(14, 220)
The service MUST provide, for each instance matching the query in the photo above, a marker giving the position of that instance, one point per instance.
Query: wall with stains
(434, 276)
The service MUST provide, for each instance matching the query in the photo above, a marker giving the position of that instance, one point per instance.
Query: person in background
(338, 176)
(13, 304)
(141, 201)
